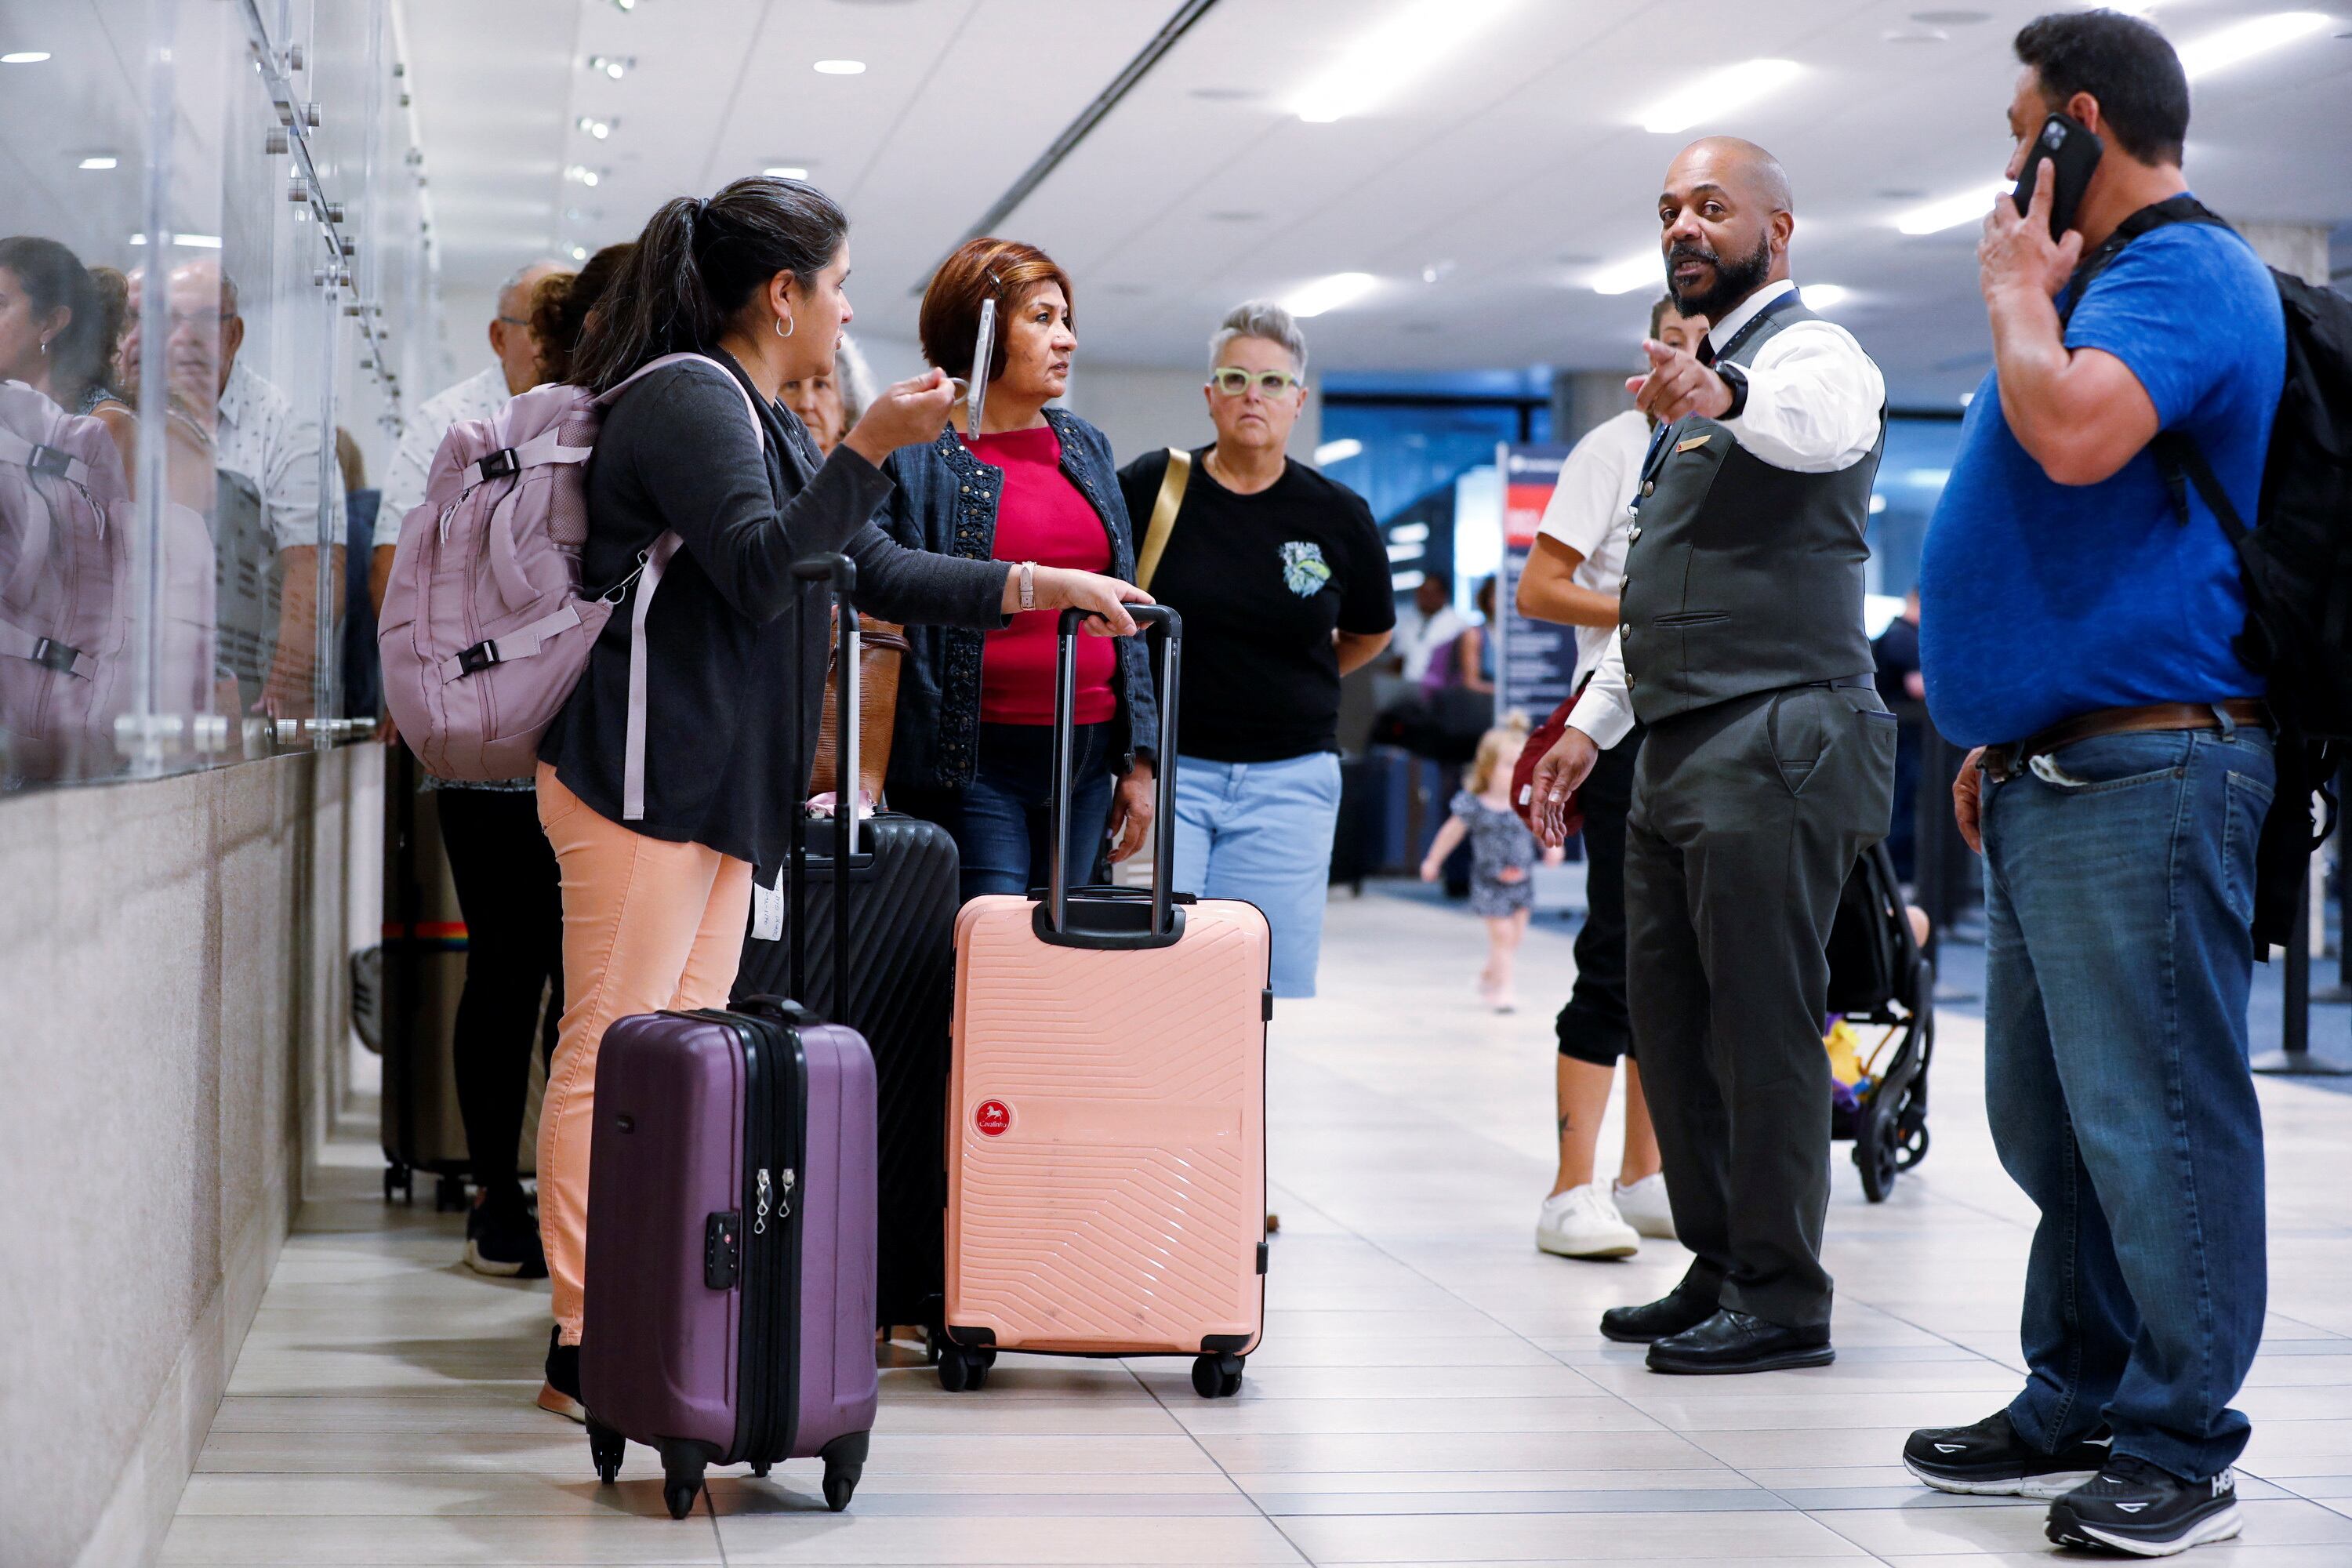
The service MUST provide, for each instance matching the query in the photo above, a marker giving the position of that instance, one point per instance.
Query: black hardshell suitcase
(903, 898)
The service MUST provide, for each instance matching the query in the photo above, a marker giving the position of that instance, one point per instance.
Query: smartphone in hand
(2075, 150)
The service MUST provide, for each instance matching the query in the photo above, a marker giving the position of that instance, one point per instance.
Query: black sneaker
(560, 1394)
(503, 1236)
(2132, 1506)
(1990, 1459)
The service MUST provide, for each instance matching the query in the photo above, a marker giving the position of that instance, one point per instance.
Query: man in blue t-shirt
(2077, 618)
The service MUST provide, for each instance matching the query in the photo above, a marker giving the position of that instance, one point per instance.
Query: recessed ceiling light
(841, 67)
(1970, 207)
(785, 172)
(1436, 270)
(624, 4)
(580, 175)
(577, 252)
(2244, 40)
(1332, 293)
(1718, 93)
(1950, 18)
(1902, 193)
(1227, 94)
(98, 161)
(1384, 58)
(614, 66)
(1647, 270)
(24, 58)
(1916, 36)
(1823, 296)
(599, 129)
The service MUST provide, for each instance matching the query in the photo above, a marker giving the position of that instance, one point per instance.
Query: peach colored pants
(648, 925)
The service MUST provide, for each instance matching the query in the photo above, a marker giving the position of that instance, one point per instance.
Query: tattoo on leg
(1563, 1126)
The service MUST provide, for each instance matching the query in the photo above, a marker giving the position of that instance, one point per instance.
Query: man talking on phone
(2079, 609)
(1769, 763)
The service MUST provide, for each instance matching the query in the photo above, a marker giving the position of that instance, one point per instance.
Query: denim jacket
(945, 501)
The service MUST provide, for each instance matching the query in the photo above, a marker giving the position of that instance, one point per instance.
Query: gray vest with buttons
(1741, 577)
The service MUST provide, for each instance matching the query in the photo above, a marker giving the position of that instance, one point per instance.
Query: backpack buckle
(50, 462)
(501, 464)
(477, 659)
(51, 654)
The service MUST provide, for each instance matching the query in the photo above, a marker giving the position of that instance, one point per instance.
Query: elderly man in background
(264, 510)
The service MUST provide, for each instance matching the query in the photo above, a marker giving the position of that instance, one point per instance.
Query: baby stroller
(1879, 977)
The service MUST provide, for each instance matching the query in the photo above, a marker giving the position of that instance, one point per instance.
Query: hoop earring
(45, 348)
(784, 329)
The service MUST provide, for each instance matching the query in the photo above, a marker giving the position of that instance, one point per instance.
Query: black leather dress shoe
(1734, 1342)
(1654, 1320)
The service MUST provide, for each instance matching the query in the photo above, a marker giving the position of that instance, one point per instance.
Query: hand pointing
(1677, 387)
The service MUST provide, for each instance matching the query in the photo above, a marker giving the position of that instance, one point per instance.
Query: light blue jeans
(1262, 831)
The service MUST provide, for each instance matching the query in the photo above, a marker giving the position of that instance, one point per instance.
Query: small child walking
(1503, 856)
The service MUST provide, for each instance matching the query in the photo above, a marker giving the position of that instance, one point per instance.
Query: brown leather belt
(2002, 763)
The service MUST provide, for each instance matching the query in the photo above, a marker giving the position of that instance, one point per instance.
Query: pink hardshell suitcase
(1107, 1107)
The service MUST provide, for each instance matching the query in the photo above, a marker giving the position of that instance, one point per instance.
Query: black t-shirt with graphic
(1261, 582)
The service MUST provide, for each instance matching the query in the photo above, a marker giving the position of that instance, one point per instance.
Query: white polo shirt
(476, 397)
(1589, 510)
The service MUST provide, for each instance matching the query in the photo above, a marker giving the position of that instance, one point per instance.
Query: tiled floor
(1431, 1390)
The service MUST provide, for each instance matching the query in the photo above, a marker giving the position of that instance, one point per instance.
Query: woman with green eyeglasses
(1283, 583)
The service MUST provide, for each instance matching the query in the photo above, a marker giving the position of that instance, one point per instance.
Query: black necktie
(1706, 349)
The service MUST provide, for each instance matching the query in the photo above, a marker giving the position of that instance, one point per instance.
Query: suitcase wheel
(605, 1446)
(845, 1463)
(963, 1368)
(1217, 1376)
(760, 1471)
(397, 1179)
(682, 1465)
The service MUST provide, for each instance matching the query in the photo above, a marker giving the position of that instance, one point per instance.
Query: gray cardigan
(723, 765)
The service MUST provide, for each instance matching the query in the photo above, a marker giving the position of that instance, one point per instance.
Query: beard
(1734, 280)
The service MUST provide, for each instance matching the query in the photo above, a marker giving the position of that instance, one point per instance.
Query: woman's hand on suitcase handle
(1131, 811)
(1558, 776)
(1104, 599)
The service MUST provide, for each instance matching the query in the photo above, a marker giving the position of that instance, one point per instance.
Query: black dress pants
(1747, 816)
(511, 895)
(1592, 1027)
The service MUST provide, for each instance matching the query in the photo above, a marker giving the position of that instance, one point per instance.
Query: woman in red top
(1035, 485)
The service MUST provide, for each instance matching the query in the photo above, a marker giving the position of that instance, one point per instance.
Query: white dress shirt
(258, 435)
(1589, 513)
(476, 397)
(1815, 400)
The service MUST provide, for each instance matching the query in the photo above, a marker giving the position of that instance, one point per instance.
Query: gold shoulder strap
(1163, 515)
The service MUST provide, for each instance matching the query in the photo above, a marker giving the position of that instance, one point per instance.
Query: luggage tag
(768, 909)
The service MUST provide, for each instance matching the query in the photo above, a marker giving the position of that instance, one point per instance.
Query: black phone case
(2075, 149)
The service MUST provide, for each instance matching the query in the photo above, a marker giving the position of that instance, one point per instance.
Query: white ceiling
(1518, 157)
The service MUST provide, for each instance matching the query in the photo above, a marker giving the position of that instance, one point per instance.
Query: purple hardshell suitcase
(732, 1227)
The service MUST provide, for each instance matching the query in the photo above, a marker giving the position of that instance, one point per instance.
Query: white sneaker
(1645, 1207)
(1582, 1223)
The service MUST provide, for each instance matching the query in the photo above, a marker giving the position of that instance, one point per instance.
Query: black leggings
(1592, 1027)
(509, 891)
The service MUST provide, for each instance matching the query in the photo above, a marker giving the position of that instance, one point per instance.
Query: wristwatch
(1028, 584)
(1737, 379)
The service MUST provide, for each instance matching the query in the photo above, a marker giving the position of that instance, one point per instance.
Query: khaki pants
(648, 925)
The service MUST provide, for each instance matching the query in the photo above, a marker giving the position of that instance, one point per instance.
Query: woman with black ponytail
(657, 870)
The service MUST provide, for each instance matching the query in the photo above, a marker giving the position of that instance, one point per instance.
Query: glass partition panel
(209, 240)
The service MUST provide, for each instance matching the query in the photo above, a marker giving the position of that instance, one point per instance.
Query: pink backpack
(486, 625)
(65, 587)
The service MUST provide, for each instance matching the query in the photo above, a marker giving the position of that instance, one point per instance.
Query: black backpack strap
(2178, 458)
(2183, 208)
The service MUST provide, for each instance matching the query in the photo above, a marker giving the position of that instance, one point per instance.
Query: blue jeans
(1001, 821)
(1262, 831)
(2119, 896)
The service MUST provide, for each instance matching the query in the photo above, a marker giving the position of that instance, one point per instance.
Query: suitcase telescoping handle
(840, 574)
(1169, 627)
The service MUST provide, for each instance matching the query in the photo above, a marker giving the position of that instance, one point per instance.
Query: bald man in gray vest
(1769, 768)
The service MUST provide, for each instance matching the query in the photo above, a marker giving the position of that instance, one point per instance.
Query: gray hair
(852, 378)
(1260, 319)
(514, 278)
